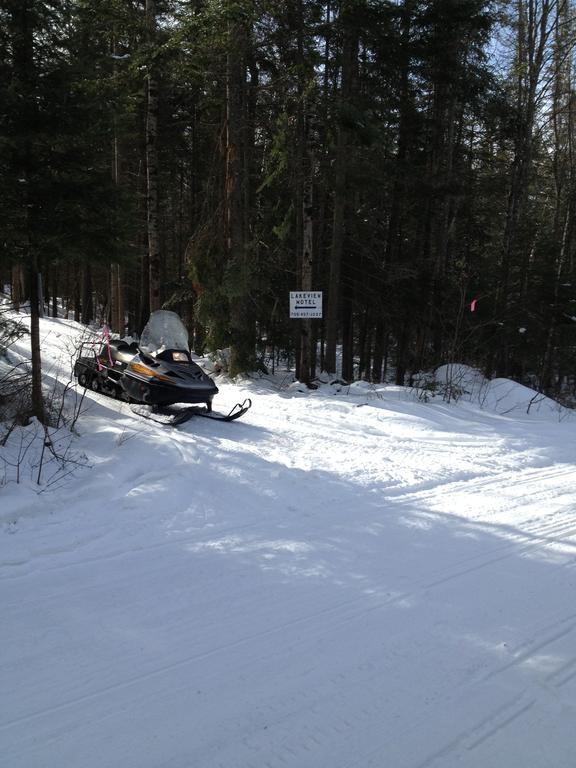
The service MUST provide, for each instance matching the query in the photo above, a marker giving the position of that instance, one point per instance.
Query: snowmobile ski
(235, 413)
(174, 417)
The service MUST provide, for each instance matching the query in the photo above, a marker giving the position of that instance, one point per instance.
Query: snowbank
(501, 396)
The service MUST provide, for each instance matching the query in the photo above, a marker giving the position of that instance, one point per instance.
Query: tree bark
(307, 269)
(305, 184)
(154, 261)
(341, 160)
(36, 359)
(86, 299)
(18, 286)
(24, 84)
(116, 274)
(564, 186)
(241, 325)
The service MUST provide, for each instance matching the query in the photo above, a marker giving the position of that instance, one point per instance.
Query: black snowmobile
(155, 374)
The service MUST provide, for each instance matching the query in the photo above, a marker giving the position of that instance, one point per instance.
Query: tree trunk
(37, 398)
(120, 298)
(305, 184)
(113, 288)
(306, 281)
(23, 84)
(18, 286)
(349, 66)
(380, 344)
(55, 287)
(86, 300)
(76, 303)
(241, 324)
(564, 187)
(154, 263)
(347, 340)
(144, 298)
(117, 288)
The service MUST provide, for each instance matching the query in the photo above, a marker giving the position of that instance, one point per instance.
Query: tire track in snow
(563, 675)
(341, 614)
(465, 741)
(518, 545)
(501, 716)
(111, 556)
(562, 479)
(493, 722)
(505, 715)
(530, 649)
(496, 721)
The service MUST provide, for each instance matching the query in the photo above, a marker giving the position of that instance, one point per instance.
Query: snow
(354, 577)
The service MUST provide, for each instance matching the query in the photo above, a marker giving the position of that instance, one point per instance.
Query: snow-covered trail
(349, 581)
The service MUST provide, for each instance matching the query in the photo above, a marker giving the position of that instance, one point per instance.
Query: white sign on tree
(305, 304)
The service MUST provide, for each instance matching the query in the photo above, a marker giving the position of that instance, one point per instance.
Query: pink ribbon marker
(106, 334)
(106, 339)
(473, 305)
(98, 363)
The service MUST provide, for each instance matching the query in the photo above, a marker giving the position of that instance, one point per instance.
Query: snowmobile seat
(123, 351)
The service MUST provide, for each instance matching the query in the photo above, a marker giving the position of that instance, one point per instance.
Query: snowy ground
(351, 579)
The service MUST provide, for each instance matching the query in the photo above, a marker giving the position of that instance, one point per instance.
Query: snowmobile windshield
(164, 330)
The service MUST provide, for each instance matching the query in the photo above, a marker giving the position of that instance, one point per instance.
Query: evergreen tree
(196, 155)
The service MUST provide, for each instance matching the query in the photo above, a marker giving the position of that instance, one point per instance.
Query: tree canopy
(414, 161)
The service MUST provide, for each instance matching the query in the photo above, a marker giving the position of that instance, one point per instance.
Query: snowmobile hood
(171, 366)
(169, 377)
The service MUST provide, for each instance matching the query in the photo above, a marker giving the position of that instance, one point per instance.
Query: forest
(413, 161)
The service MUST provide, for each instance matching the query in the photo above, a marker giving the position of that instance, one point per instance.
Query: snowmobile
(154, 374)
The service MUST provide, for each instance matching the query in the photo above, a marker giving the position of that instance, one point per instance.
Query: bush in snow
(449, 382)
(15, 378)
